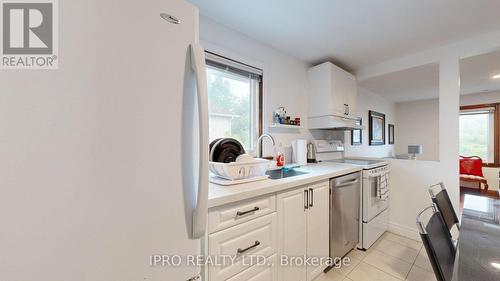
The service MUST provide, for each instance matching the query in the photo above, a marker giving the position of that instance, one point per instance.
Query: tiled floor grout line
(390, 255)
(362, 261)
(413, 264)
(400, 243)
(347, 275)
(424, 269)
(381, 269)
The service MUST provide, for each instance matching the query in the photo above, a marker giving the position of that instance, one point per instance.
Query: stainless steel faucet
(259, 151)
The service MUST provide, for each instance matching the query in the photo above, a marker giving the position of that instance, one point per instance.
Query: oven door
(372, 206)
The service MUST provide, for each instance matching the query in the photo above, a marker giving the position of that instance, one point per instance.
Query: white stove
(366, 164)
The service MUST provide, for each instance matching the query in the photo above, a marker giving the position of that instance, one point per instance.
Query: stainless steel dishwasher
(344, 213)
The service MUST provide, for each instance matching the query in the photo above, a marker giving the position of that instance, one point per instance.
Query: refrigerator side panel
(91, 166)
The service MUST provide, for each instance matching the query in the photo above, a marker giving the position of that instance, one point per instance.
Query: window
(479, 129)
(234, 100)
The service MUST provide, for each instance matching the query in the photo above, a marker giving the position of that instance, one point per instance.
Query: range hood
(333, 94)
(334, 122)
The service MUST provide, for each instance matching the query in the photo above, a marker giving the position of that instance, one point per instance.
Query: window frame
(496, 132)
(233, 64)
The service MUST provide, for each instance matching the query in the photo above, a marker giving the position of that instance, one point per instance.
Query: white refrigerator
(103, 161)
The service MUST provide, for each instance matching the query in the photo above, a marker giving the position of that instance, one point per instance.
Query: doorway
(479, 121)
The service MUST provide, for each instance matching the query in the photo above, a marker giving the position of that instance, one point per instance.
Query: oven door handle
(347, 183)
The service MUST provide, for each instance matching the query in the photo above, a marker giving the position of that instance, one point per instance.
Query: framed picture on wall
(356, 136)
(391, 133)
(376, 131)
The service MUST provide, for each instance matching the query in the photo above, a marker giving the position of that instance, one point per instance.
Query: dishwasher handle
(346, 183)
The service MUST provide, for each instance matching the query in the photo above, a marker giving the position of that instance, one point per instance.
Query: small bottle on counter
(280, 156)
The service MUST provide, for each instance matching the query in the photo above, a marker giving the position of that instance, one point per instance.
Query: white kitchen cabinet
(229, 215)
(265, 272)
(292, 239)
(253, 238)
(303, 229)
(332, 91)
(318, 233)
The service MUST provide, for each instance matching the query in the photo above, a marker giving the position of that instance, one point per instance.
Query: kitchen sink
(284, 173)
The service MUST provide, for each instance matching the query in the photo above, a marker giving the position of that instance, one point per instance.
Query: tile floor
(391, 258)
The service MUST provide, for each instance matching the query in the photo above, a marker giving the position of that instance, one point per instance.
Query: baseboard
(490, 193)
(403, 230)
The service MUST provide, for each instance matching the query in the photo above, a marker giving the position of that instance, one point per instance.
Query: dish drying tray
(239, 170)
(226, 182)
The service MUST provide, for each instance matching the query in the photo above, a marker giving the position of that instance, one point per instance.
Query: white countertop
(220, 195)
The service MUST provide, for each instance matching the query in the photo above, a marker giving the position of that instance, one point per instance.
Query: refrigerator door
(99, 164)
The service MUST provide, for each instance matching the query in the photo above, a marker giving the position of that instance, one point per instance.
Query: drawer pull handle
(306, 199)
(311, 192)
(240, 213)
(241, 251)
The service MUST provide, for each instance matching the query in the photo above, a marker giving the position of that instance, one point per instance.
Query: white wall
(409, 180)
(370, 101)
(491, 97)
(491, 174)
(446, 169)
(426, 131)
(413, 192)
(418, 123)
(286, 84)
(285, 78)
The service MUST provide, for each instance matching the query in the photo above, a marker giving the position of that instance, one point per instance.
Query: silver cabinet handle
(311, 202)
(346, 109)
(306, 199)
(242, 213)
(241, 251)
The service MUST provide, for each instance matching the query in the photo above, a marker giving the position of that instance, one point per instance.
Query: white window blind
(234, 97)
(477, 133)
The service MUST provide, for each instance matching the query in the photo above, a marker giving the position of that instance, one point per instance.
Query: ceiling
(476, 73)
(418, 83)
(354, 33)
(422, 82)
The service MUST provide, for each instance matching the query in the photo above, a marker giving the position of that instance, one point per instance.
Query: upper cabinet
(333, 91)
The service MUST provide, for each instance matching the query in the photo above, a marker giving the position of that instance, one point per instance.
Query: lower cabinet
(265, 272)
(244, 241)
(303, 232)
(284, 229)
(318, 227)
(292, 239)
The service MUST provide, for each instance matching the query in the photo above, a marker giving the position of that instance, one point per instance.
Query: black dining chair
(438, 243)
(443, 203)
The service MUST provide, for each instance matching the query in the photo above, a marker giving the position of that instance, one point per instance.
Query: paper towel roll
(299, 153)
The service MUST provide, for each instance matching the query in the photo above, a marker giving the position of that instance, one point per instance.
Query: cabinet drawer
(258, 272)
(254, 238)
(223, 217)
